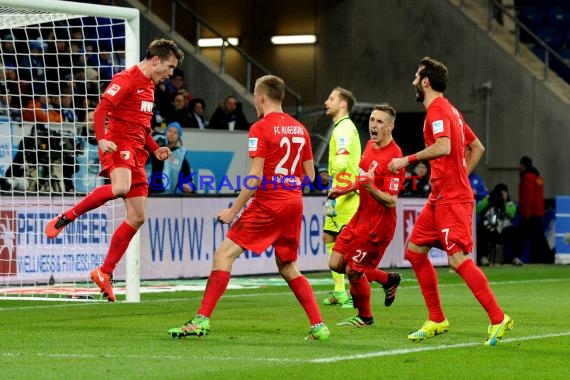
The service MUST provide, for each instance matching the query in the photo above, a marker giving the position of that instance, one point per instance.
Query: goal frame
(132, 55)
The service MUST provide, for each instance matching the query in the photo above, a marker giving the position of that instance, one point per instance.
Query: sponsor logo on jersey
(146, 106)
(252, 146)
(342, 151)
(437, 126)
(125, 154)
(394, 184)
(113, 89)
(342, 142)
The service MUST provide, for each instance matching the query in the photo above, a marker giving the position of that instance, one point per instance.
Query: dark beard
(420, 95)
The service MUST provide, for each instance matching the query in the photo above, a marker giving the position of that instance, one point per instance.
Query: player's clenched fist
(162, 153)
(226, 216)
(107, 146)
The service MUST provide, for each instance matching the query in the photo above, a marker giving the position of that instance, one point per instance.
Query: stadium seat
(532, 16)
(558, 18)
(551, 37)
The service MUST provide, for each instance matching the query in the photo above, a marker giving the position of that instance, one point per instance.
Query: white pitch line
(405, 351)
(245, 295)
(331, 359)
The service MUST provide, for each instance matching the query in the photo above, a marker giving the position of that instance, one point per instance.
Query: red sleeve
(120, 87)
(100, 117)
(151, 143)
(256, 142)
(395, 182)
(438, 123)
(308, 149)
(469, 135)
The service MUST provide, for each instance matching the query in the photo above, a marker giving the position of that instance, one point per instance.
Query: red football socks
(215, 288)
(304, 293)
(360, 291)
(376, 275)
(479, 285)
(119, 243)
(427, 279)
(94, 199)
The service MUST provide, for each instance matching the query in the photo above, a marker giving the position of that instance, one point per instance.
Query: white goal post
(56, 59)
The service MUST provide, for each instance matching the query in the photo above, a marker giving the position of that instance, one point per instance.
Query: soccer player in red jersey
(280, 151)
(361, 244)
(446, 220)
(124, 147)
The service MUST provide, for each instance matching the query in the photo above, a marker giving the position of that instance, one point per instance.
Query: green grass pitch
(258, 334)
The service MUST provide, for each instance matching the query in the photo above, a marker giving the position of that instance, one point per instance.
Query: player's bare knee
(288, 270)
(336, 266)
(120, 191)
(415, 257)
(136, 220)
(456, 259)
(352, 274)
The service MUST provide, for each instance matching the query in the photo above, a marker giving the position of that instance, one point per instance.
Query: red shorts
(127, 158)
(359, 252)
(445, 226)
(262, 224)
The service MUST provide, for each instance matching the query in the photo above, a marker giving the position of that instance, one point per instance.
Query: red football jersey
(372, 218)
(284, 143)
(132, 95)
(449, 180)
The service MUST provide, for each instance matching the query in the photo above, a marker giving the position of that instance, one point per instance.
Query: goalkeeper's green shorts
(346, 207)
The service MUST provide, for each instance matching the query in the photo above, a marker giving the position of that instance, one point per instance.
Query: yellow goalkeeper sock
(338, 278)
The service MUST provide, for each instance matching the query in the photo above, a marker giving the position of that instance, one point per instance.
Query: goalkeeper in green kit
(344, 156)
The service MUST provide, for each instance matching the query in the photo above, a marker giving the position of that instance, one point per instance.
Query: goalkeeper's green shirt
(344, 150)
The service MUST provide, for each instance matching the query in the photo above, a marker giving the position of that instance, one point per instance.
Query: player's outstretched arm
(441, 147)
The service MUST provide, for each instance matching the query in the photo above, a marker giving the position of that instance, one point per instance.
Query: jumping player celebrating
(123, 151)
(446, 220)
(280, 151)
(361, 244)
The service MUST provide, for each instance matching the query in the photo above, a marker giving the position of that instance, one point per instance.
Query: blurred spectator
(86, 177)
(179, 111)
(9, 56)
(58, 58)
(417, 183)
(229, 116)
(17, 88)
(104, 62)
(175, 168)
(196, 109)
(531, 210)
(166, 91)
(68, 112)
(478, 186)
(495, 214)
(37, 63)
(38, 109)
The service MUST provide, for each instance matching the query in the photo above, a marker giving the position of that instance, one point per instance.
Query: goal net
(56, 59)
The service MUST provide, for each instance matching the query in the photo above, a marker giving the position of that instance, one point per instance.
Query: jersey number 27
(296, 142)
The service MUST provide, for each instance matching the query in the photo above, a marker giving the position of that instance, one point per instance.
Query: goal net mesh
(53, 69)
